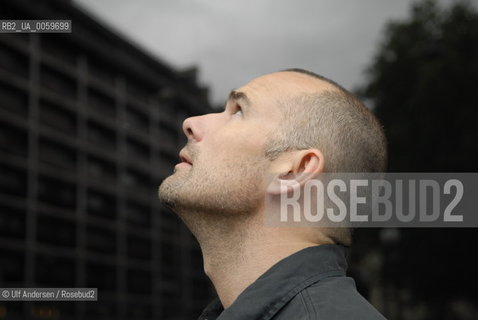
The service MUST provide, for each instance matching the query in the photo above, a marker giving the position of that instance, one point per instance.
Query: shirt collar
(278, 285)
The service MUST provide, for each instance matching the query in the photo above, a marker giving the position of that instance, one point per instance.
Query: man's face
(224, 164)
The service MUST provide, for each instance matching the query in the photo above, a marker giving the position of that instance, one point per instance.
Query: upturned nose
(195, 128)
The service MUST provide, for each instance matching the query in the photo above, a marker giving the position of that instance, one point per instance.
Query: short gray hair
(336, 123)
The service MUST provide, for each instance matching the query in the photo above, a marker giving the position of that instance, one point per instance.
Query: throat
(234, 265)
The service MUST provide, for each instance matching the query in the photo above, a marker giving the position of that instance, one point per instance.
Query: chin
(167, 191)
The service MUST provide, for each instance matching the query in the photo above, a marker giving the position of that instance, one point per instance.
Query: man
(278, 125)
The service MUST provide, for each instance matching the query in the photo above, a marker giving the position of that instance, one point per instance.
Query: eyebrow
(239, 96)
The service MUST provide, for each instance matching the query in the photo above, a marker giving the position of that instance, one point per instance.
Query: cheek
(243, 144)
(234, 142)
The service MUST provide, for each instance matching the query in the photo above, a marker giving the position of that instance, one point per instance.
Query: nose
(193, 128)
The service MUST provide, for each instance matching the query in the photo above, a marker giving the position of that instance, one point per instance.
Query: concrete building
(89, 126)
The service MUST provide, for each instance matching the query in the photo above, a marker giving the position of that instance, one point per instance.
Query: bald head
(319, 113)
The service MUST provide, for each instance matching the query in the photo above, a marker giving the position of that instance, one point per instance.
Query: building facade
(89, 126)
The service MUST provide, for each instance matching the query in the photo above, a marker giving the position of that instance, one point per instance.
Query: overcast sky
(234, 41)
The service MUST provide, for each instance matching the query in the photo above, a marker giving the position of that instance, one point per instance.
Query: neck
(232, 275)
(238, 252)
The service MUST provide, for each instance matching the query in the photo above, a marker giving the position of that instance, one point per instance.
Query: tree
(423, 85)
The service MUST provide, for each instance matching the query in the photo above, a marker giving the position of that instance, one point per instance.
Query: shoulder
(330, 298)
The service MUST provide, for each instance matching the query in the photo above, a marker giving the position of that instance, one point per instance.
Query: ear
(296, 169)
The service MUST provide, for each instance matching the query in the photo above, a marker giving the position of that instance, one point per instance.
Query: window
(101, 136)
(56, 231)
(57, 82)
(56, 192)
(101, 103)
(171, 290)
(137, 92)
(106, 309)
(13, 100)
(12, 268)
(100, 168)
(137, 119)
(59, 49)
(101, 204)
(169, 255)
(14, 62)
(168, 135)
(138, 247)
(139, 281)
(101, 72)
(13, 140)
(170, 226)
(12, 222)
(56, 154)
(13, 181)
(100, 276)
(138, 214)
(136, 179)
(52, 271)
(102, 240)
(166, 162)
(141, 309)
(137, 149)
(57, 118)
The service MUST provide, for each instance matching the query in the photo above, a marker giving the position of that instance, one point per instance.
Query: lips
(185, 157)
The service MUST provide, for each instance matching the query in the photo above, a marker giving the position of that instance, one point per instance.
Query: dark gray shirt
(309, 284)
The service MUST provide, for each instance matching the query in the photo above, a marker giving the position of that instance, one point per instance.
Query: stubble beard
(220, 207)
(213, 190)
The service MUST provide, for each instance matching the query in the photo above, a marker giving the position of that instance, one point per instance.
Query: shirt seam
(311, 304)
(304, 303)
